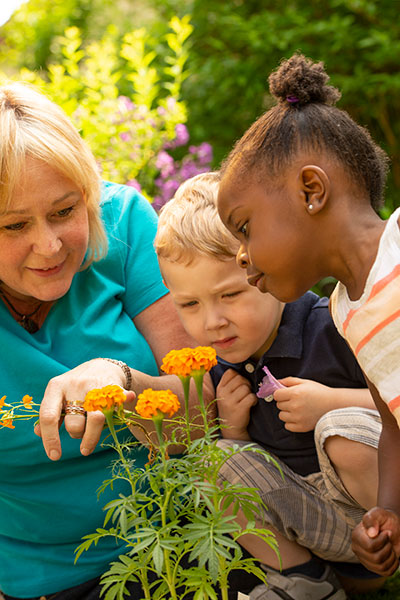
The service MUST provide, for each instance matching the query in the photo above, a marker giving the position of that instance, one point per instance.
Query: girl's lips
(225, 343)
(255, 279)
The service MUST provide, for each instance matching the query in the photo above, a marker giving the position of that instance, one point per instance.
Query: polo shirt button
(249, 368)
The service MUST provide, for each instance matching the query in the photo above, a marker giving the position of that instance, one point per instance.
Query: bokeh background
(161, 89)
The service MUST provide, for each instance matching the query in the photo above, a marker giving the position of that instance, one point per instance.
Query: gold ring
(74, 409)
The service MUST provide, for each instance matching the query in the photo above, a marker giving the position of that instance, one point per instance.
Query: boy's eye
(15, 226)
(231, 294)
(189, 304)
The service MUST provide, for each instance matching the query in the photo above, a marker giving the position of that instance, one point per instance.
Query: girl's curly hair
(305, 118)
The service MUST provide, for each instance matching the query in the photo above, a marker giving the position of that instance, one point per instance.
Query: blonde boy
(321, 452)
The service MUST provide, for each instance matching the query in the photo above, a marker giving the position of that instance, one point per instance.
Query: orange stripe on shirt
(379, 285)
(393, 404)
(376, 330)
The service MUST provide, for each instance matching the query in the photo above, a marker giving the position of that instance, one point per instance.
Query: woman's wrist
(126, 370)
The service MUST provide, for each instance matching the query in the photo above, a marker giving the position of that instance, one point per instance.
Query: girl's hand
(234, 401)
(376, 541)
(302, 403)
(73, 386)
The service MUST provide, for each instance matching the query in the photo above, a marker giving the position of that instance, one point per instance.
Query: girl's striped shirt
(371, 325)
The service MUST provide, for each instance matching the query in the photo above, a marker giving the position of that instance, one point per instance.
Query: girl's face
(272, 225)
(43, 234)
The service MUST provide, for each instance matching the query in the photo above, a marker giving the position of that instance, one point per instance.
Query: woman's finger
(94, 426)
(75, 425)
(50, 419)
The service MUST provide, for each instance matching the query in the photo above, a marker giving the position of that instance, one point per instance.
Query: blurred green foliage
(233, 48)
(125, 133)
(31, 37)
(235, 44)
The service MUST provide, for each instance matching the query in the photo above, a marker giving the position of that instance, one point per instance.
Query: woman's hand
(73, 386)
(160, 325)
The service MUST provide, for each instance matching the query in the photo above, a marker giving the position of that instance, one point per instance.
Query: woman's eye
(15, 226)
(65, 211)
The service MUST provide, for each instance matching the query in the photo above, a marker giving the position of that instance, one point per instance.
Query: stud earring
(310, 207)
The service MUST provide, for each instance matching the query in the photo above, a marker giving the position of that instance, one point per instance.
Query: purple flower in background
(174, 171)
(126, 103)
(169, 188)
(158, 203)
(189, 169)
(205, 153)
(125, 136)
(135, 184)
(171, 103)
(165, 163)
(182, 135)
(268, 386)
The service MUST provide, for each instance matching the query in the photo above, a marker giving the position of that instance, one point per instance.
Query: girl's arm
(376, 540)
(303, 401)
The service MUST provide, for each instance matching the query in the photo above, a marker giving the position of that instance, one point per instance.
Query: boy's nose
(214, 320)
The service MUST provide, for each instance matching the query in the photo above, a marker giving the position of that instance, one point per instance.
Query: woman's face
(43, 234)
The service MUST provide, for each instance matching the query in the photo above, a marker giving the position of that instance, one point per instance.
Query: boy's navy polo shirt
(307, 345)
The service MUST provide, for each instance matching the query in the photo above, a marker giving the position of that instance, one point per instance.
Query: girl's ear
(314, 186)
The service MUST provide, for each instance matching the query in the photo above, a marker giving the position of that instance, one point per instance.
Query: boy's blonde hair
(189, 223)
(32, 126)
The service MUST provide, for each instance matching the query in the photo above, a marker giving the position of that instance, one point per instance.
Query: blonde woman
(79, 280)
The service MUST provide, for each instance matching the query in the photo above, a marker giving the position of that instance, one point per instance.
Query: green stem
(158, 424)
(145, 584)
(170, 577)
(170, 580)
(109, 415)
(223, 583)
(198, 377)
(157, 420)
(186, 387)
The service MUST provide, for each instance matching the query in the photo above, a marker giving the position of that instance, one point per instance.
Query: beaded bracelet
(126, 370)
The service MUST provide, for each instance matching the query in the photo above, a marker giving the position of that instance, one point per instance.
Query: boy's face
(218, 308)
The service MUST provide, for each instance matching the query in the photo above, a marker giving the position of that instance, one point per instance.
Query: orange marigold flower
(27, 400)
(151, 401)
(7, 423)
(104, 398)
(2, 401)
(183, 362)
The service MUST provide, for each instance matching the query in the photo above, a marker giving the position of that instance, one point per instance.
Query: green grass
(390, 591)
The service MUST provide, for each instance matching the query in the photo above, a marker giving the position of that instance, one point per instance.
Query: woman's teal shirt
(46, 507)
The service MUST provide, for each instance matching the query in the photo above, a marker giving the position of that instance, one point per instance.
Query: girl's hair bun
(298, 81)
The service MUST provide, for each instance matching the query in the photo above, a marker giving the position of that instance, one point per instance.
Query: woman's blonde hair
(33, 126)
(189, 223)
